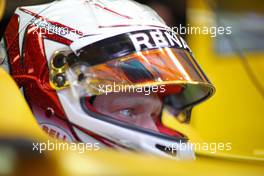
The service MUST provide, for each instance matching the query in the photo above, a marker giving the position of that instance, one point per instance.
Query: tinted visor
(171, 69)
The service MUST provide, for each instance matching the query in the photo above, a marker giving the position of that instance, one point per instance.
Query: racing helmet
(66, 54)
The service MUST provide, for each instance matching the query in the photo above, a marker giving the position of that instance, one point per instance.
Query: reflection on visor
(168, 67)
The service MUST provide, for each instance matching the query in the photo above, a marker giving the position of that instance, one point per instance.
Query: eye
(127, 113)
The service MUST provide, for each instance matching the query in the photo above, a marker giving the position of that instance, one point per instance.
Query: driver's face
(133, 108)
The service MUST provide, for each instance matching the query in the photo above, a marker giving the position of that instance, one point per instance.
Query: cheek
(98, 104)
(147, 123)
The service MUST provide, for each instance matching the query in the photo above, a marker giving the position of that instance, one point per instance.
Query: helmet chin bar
(128, 136)
(166, 149)
(142, 142)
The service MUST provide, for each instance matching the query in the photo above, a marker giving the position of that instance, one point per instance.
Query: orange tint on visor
(174, 69)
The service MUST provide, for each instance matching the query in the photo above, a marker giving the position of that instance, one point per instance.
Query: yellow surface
(16, 117)
(236, 112)
(2, 8)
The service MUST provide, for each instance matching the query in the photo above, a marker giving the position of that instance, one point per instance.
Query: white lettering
(158, 38)
(173, 39)
(139, 40)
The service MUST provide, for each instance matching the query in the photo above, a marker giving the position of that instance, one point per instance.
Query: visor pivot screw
(59, 80)
(59, 61)
(81, 77)
(49, 112)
